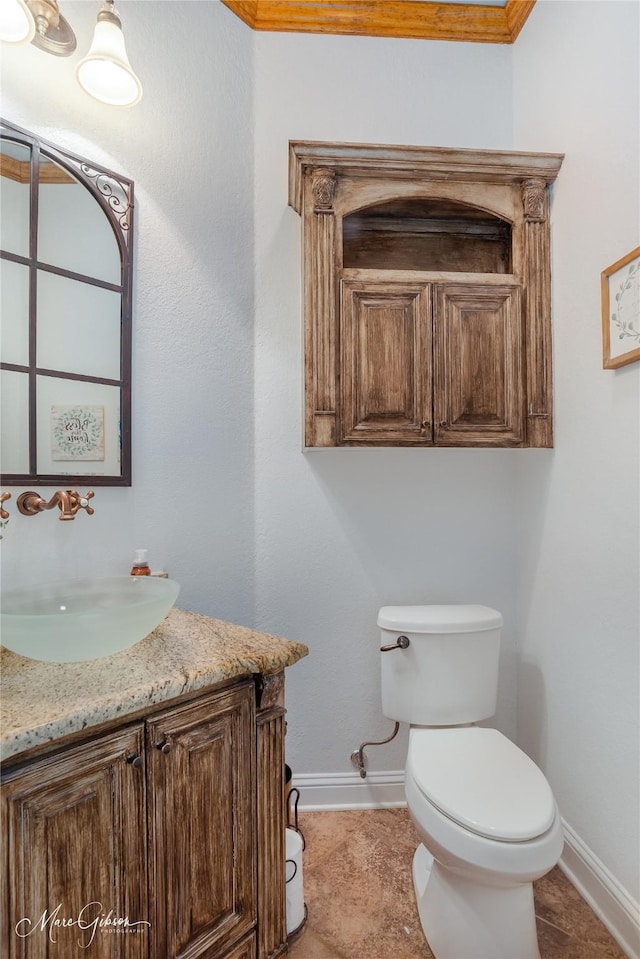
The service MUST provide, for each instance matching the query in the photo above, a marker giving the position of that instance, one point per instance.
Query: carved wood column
(538, 312)
(272, 919)
(320, 295)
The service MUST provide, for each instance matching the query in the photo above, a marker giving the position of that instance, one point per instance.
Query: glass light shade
(16, 23)
(105, 73)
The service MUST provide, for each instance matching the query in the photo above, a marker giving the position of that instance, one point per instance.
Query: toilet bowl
(485, 814)
(480, 805)
(485, 839)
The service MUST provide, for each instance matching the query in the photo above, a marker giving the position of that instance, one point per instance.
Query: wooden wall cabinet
(162, 821)
(427, 307)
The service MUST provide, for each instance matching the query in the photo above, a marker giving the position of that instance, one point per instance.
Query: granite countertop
(41, 702)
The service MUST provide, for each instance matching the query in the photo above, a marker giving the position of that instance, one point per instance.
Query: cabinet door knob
(164, 746)
(135, 761)
(425, 426)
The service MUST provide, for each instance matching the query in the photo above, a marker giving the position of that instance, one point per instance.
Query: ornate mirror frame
(114, 195)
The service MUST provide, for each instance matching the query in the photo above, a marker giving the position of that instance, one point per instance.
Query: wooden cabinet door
(478, 343)
(200, 759)
(74, 852)
(385, 364)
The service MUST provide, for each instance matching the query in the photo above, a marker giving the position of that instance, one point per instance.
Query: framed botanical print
(621, 311)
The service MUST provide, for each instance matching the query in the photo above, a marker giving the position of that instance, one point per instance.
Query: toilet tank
(448, 675)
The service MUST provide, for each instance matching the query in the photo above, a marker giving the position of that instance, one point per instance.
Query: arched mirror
(66, 238)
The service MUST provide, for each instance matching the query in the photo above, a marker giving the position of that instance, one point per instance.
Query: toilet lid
(481, 780)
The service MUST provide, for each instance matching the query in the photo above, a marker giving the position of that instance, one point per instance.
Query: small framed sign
(621, 311)
(77, 433)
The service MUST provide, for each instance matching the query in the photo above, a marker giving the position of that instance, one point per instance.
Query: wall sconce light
(105, 73)
(16, 23)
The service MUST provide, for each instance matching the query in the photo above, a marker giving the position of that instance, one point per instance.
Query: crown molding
(20, 171)
(411, 162)
(408, 19)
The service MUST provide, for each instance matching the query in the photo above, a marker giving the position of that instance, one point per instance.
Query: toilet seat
(481, 780)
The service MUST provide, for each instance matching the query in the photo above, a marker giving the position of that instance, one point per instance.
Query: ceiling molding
(408, 19)
(20, 171)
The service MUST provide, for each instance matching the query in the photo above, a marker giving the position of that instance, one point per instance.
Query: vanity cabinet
(426, 288)
(163, 821)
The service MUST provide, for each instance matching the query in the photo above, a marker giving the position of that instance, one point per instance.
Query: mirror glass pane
(78, 427)
(14, 312)
(66, 232)
(73, 231)
(78, 327)
(15, 166)
(14, 421)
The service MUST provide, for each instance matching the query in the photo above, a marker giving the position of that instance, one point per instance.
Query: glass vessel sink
(82, 619)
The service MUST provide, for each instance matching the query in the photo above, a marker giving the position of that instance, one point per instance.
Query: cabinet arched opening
(426, 234)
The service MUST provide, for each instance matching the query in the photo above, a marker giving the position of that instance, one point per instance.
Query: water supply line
(358, 757)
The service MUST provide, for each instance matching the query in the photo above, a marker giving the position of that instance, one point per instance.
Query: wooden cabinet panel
(74, 849)
(244, 950)
(272, 919)
(385, 362)
(478, 364)
(201, 769)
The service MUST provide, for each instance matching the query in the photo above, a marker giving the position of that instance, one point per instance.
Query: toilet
(487, 819)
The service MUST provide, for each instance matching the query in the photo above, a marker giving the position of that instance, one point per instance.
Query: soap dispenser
(140, 565)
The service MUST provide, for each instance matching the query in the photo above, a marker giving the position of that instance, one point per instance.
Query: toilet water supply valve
(357, 757)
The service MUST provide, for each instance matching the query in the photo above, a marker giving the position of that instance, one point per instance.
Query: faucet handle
(77, 502)
(70, 501)
(3, 498)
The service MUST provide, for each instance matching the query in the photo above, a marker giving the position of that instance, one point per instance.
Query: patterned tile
(309, 945)
(557, 944)
(359, 892)
(560, 905)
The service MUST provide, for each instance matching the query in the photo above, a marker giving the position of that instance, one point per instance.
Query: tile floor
(359, 893)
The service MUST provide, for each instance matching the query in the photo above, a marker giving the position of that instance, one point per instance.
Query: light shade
(16, 23)
(105, 73)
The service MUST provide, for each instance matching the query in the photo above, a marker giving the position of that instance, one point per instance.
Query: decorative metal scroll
(117, 194)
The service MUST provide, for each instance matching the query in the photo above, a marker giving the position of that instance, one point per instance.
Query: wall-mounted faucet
(68, 501)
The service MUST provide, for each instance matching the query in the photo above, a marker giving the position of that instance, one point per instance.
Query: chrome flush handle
(401, 643)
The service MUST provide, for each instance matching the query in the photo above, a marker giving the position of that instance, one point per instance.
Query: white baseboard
(608, 899)
(349, 791)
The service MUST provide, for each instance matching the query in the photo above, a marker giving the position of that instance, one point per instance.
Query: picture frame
(620, 284)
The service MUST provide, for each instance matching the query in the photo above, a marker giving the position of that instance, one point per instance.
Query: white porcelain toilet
(485, 813)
